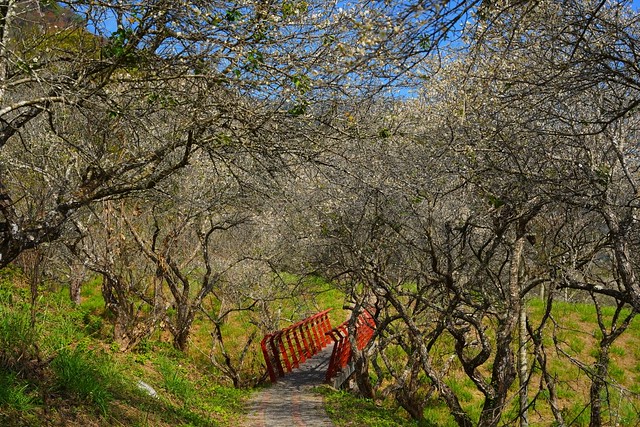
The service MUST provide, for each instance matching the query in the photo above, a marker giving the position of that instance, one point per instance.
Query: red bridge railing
(341, 355)
(284, 350)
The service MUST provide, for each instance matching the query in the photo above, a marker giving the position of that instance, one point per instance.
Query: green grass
(174, 379)
(17, 398)
(578, 335)
(316, 295)
(439, 415)
(576, 414)
(345, 410)
(616, 372)
(618, 351)
(462, 389)
(86, 375)
(628, 415)
(17, 336)
(86, 382)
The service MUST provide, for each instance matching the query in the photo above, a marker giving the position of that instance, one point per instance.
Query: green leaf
(254, 60)
(384, 133)
(292, 7)
(233, 15)
(494, 201)
(119, 48)
(302, 83)
(299, 109)
(425, 42)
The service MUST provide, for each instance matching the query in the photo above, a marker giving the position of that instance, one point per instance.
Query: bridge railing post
(325, 326)
(313, 341)
(274, 352)
(283, 351)
(296, 338)
(291, 348)
(365, 327)
(345, 355)
(313, 324)
(333, 368)
(265, 344)
(341, 350)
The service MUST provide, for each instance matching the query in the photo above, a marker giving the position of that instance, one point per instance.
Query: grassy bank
(577, 333)
(58, 366)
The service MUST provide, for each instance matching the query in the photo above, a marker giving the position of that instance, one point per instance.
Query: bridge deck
(290, 402)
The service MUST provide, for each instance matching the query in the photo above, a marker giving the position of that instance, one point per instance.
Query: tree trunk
(598, 383)
(128, 330)
(75, 291)
(408, 394)
(76, 277)
(362, 375)
(414, 406)
(503, 373)
(184, 320)
(227, 366)
(541, 357)
(523, 367)
(622, 253)
(5, 38)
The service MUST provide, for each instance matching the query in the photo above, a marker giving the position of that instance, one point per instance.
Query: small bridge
(286, 349)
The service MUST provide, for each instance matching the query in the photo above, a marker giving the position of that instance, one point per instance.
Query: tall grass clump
(17, 335)
(175, 380)
(17, 398)
(86, 375)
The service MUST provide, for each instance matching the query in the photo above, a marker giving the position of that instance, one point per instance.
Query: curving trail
(290, 402)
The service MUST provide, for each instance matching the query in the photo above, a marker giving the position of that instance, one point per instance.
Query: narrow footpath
(290, 402)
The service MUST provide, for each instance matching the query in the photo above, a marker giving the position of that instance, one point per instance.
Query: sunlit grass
(577, 333)
(89, 382)
(346, 410)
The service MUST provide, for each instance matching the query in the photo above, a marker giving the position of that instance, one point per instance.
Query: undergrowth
(576, 332)
(60, 367)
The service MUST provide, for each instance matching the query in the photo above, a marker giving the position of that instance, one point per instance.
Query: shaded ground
(290, 402)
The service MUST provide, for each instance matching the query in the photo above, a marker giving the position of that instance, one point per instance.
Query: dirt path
(290, 402)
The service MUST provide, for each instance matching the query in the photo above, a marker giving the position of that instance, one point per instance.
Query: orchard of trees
(442, 163)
